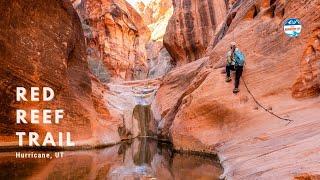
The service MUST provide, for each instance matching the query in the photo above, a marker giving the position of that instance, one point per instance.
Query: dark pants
(238, 70)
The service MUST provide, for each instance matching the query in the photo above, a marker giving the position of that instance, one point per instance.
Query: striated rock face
(308, 83)
(192, 26)
(116, 36)
(251, 143)
(42, 44)
(174, 88)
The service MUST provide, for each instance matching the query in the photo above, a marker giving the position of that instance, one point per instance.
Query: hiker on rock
(235, 62)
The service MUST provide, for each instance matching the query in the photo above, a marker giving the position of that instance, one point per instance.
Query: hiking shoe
(228, 79)
(235, 90)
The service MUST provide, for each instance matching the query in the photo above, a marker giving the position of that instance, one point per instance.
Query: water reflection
(140, 159)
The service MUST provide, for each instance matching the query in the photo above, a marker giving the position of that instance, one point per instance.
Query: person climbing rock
(235, 62)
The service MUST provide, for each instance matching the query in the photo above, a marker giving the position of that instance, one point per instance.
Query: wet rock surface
(145, 117)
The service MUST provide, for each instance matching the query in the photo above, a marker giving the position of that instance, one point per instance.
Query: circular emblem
(292, 27)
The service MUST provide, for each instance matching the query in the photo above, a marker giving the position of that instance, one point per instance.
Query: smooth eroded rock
(42, 45)
(252, 143)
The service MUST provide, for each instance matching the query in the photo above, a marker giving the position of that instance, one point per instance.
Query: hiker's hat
(233, 44)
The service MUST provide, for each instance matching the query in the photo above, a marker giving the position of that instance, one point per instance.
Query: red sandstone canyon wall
(203, 114)
(116, 36)
(156, 15)
(42, 44)
(191, 28)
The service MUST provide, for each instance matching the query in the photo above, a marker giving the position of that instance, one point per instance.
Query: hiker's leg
(239, 70)
(228, 69)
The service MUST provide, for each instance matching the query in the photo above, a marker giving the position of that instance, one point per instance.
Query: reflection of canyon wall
(199, 111)
(139, 159)
(42, 44)
(116, 36)
(192, 26)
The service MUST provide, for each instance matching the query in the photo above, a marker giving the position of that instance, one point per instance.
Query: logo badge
(292, 27)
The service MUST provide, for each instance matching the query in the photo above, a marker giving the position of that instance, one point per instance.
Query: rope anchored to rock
(259, 104)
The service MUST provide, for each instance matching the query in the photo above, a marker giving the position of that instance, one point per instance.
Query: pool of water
(141, 158)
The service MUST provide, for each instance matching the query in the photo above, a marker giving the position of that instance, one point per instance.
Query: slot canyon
(142, 86)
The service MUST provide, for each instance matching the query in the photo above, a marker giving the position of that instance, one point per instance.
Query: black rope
(259, 104)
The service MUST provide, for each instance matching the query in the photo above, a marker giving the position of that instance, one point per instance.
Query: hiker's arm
(228, 58)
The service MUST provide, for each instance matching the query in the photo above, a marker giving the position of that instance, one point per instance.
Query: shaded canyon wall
(116, 36)
(191, 28)
(42, 44)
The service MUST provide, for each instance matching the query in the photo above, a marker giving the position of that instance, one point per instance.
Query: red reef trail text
(40, 117)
